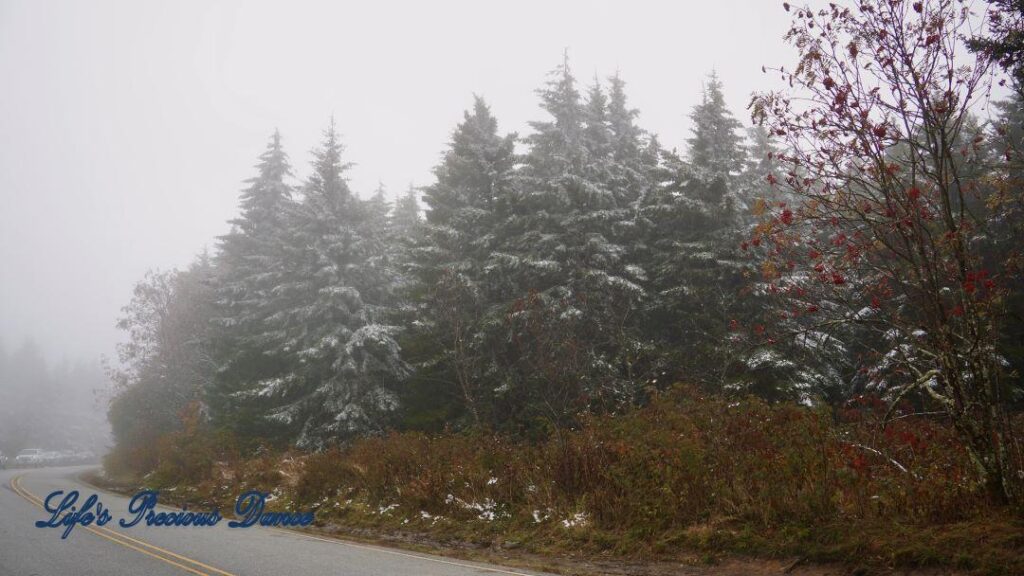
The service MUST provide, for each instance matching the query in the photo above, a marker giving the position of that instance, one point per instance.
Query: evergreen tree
(1005, 235)
(635, 155)
(250, 268)
(715, 146)
(763, 167)
(334, 313)
(806, 366)
(694, 232)
(574, 344)
(461, 295)
(404, 231)
(377, 210)
(405, 216)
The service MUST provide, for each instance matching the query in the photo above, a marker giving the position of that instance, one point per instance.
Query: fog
(126, 128)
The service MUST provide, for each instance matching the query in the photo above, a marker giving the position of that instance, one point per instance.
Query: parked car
(29, 457)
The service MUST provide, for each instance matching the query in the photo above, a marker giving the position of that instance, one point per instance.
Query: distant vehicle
(29, 457)
(37, 457)
(3, 460)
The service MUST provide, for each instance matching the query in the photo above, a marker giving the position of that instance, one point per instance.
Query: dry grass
(684, 475)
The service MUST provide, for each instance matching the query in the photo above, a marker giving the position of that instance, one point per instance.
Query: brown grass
(686, 474)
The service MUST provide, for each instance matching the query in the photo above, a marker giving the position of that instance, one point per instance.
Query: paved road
(160, 551)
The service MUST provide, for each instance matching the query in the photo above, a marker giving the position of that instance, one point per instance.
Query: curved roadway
(26, 550)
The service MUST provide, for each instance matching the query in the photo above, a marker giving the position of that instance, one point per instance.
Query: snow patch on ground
(577, 520)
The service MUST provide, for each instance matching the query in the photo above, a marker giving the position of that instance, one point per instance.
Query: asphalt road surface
(26, 550)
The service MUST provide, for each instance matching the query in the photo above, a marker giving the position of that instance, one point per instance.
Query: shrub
(696, 471)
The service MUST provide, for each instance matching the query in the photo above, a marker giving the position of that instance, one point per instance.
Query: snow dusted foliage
(761, 169)
(567, 250)
(716, 146)
(250, 257)
(550, 275)
(800, 363)
(250, 270)
(461, 295)
(1005, 145)
(693, 233)
(325, 318)
(405, 219)
(404, 230)
(897, 206)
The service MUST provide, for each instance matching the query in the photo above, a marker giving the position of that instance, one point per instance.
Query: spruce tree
(461, 296)
(333, 319)
(405, 218)
(570, 328)
(715, 145)
(634, 154)
(250, 268)
(694, 236)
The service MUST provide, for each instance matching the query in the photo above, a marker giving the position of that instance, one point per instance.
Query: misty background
(126, 128)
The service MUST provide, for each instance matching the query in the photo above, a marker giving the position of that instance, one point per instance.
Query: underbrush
(685, 474)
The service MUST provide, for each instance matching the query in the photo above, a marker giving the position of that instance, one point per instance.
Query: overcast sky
(127, 127)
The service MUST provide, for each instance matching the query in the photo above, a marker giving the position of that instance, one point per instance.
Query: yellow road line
(115, 536)
(31, 498)
(341, 542)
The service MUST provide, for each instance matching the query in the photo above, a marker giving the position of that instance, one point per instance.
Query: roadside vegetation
(839, 286)
(687, 474)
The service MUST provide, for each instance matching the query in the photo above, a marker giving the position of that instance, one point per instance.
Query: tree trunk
(979, 417)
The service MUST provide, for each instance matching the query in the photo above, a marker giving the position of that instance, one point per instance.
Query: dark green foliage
(694, 229)
(460, 300)
(574, 275)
